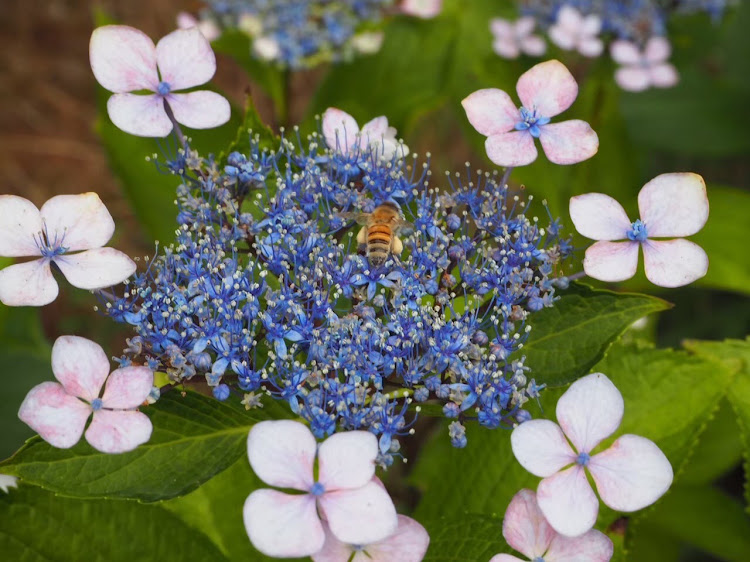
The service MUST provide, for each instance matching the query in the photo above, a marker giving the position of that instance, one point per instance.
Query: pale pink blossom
(346, 494)
(630, 475)
(65, 224)
(58, 411)
(125, 60)
(207, 27)
(511, 38)
(424, 9)
(342, 133)
(408, 544)
(574, 31)
(545, 90)
(527, 531)
(642, 69)
(671, 205)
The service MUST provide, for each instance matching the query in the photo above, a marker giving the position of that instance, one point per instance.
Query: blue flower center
(538, 559)
(583, 459)
(163, 88)
(532, 122)
(96, 404)
(317, 489)
(50, 247)
(638, 232)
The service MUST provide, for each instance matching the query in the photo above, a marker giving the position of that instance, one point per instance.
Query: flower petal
(500, 27)
(591, 25)
(505, 558)
(533, 45)
(541, 447)
(118, 431)
(200, 110)
(347, 460)
(569, 142)
(524, 526)
(570, 18)
(123, 59)
(28, 284)
(360, 516)
(408, 544)
(340, 130)
(593, 546)
(591, 47)
(625, 52)
(632, 474)
(96, 269)
(282, 453)
(374, 130)
(599, 217)
(562, 37)
(568, 502)
(511, 149)
(143, 116)
(549, 87)
(664, 75)
(674, 263)
(21, 223)
(674, 205)
(127, 387)
(633, 78)
(81, 221)
(185, 59)
(282, 525)
(55, 415)
(491, 111)
(657, 50)
(611, 261)
(524, 25)
(333, 550)
(80, 365)
(590, 411)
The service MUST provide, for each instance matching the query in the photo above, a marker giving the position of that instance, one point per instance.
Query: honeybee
(380, 230)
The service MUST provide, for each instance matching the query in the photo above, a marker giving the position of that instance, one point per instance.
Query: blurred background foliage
(56, 138)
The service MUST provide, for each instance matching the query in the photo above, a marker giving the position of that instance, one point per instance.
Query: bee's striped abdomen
(379, 240)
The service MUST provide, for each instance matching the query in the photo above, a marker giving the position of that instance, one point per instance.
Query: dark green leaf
(464, 536)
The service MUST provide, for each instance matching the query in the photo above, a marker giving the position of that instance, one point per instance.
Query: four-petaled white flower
(630, 475)
(207, 27)
(511, 38)
(670, 205)
(545, 90)
(527, 531)
(643, 69)
(7, 482)
(125, 60)
(342, 134)
(58, 411)
(66, 223)
(424, 9)
(345, 494)
(408, 544)
(574, 31)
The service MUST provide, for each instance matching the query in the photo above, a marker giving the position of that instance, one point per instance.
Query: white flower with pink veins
(644, 68)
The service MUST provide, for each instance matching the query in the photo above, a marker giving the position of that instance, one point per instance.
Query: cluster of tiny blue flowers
(266, 290)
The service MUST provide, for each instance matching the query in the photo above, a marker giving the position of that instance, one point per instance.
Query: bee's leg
(362, 236)
(397, 246)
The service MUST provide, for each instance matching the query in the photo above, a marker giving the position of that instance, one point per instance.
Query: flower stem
(506, 175)
(177, 130)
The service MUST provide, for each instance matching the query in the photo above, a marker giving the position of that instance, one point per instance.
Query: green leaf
(194, 438)
(567, 339)
(253, 126)
(464, 536)
(39, 526)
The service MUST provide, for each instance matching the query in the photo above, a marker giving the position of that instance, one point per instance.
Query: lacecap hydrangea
(266, 289)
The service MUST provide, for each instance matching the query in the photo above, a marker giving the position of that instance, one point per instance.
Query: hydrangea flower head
(671, 205)
(630, 475)
(65, 224)
(125, 60)
(574, 31)
(342, 133)
(546, 90)
(642, 69)
(511, 38)
(58, 411)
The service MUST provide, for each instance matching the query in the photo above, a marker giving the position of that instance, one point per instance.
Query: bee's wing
(402, 226)
(358, 217)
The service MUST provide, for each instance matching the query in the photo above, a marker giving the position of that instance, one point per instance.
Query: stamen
(531, 122)
(317, 489)
(583, 459)
(163, 88)
(638, 232)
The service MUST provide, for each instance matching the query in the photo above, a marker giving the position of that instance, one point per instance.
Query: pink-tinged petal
(282, 453)
(55, 415)
(599, 217)
(81, 221)
(511, 149)
(632, 474)
(96, 269)
(570, 18)
(186, 20)
(20, 223)
(541, 447)
(590, 411)
(633, 78)
(507, 48)
(118, 431)
(524, 26)
(347, 460)
(375, 129)
(80, 365)
(143, 116)
(185, 59)
(625, 52)
(491, 111)
(200, 110)
(591, 47)
(127, 388)
(664, 75)
(674, 205)
(505, 558)
(501, 28)
(533, 45)
(569, 142)
(562, 37)
(360, 516)
(408, 544)
(549, 87)
(674, 263)
(591, 25)
(593, 546)
(568, 502)
(657, 50)
(283, 525)
(524, 526)
(333, 550)
(28, 284)
(123, 59)
(339, 129)
(611, 261)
